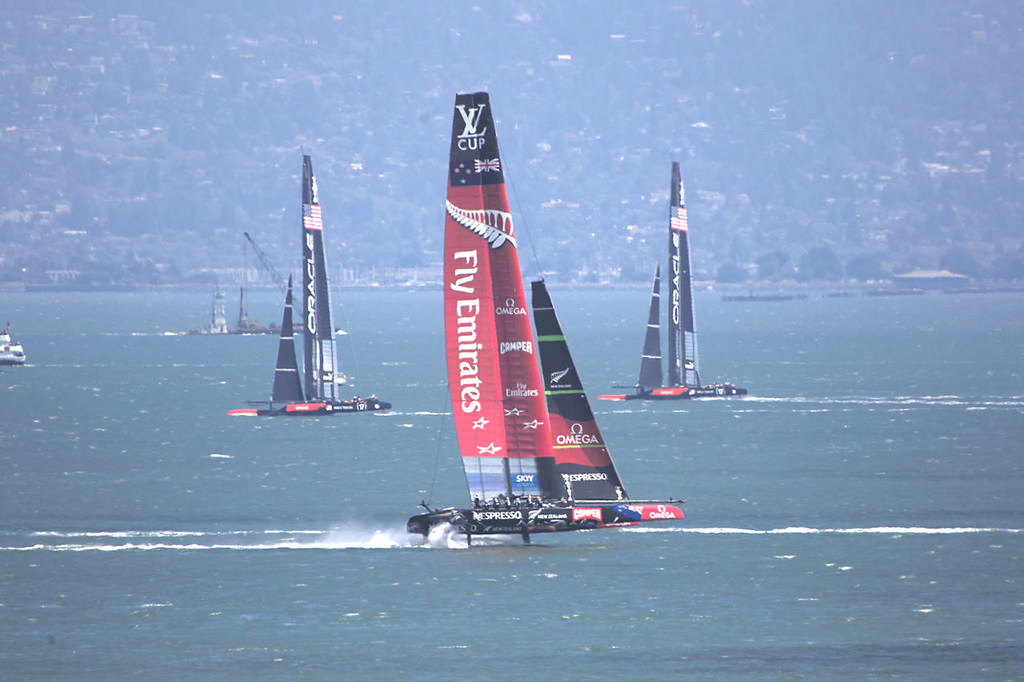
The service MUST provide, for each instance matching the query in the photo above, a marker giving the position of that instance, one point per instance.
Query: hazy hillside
(818, 140)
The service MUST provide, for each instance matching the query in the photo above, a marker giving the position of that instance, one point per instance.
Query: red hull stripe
(305, 407)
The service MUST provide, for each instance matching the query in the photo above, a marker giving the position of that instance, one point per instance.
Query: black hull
(526, 519)
(690, 392)
(716, 391)
(315, 409)
(681, 393)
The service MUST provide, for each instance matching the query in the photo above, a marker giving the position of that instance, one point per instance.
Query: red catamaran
(533, 455)
(683, 375)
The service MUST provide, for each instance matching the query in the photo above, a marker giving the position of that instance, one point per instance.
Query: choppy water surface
(857, 516)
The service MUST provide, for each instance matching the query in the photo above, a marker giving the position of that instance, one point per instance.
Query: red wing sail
(497, 393)
(582, 462)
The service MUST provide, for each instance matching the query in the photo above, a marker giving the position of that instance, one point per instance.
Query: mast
(682, 339)
(241, 308)
(287, 386)
(650, 360)
(319, 350)
(583, 464)
(496, 389)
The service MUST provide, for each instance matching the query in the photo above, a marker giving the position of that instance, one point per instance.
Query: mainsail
(497, 393)
(287, 386)
(319, 350)
(682, 337)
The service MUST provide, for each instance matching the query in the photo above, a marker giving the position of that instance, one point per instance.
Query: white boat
(11, 352)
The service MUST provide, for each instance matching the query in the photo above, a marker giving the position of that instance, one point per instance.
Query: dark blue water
(858, 516)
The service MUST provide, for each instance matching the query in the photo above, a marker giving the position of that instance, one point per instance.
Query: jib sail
(582, 462)
(650, 361)
(287, 386)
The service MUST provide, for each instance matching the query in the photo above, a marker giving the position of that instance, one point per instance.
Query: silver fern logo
(494, 226)
(557, 377)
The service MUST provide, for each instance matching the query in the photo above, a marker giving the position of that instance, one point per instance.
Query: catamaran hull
(317, 409)
(680, 393)
(716, 391)
(543, 519)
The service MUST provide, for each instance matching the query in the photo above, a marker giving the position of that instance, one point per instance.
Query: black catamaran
(533, 455)
(683, 375)
(322, 383)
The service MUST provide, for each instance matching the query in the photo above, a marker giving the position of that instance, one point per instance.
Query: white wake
(801, 530)
(358, 536)
(345, 536)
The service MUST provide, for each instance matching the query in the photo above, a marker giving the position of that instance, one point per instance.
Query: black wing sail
(287, 385)
(319, 351)
(650, 361)
(582, 460)
(682, 339)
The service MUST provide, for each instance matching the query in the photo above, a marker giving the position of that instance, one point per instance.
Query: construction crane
(267, 265)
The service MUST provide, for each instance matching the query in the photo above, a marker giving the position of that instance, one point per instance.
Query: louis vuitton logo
(472, 137)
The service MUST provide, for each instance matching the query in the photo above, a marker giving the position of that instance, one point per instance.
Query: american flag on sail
(677, 220)
(486, 165)
(311, 217)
